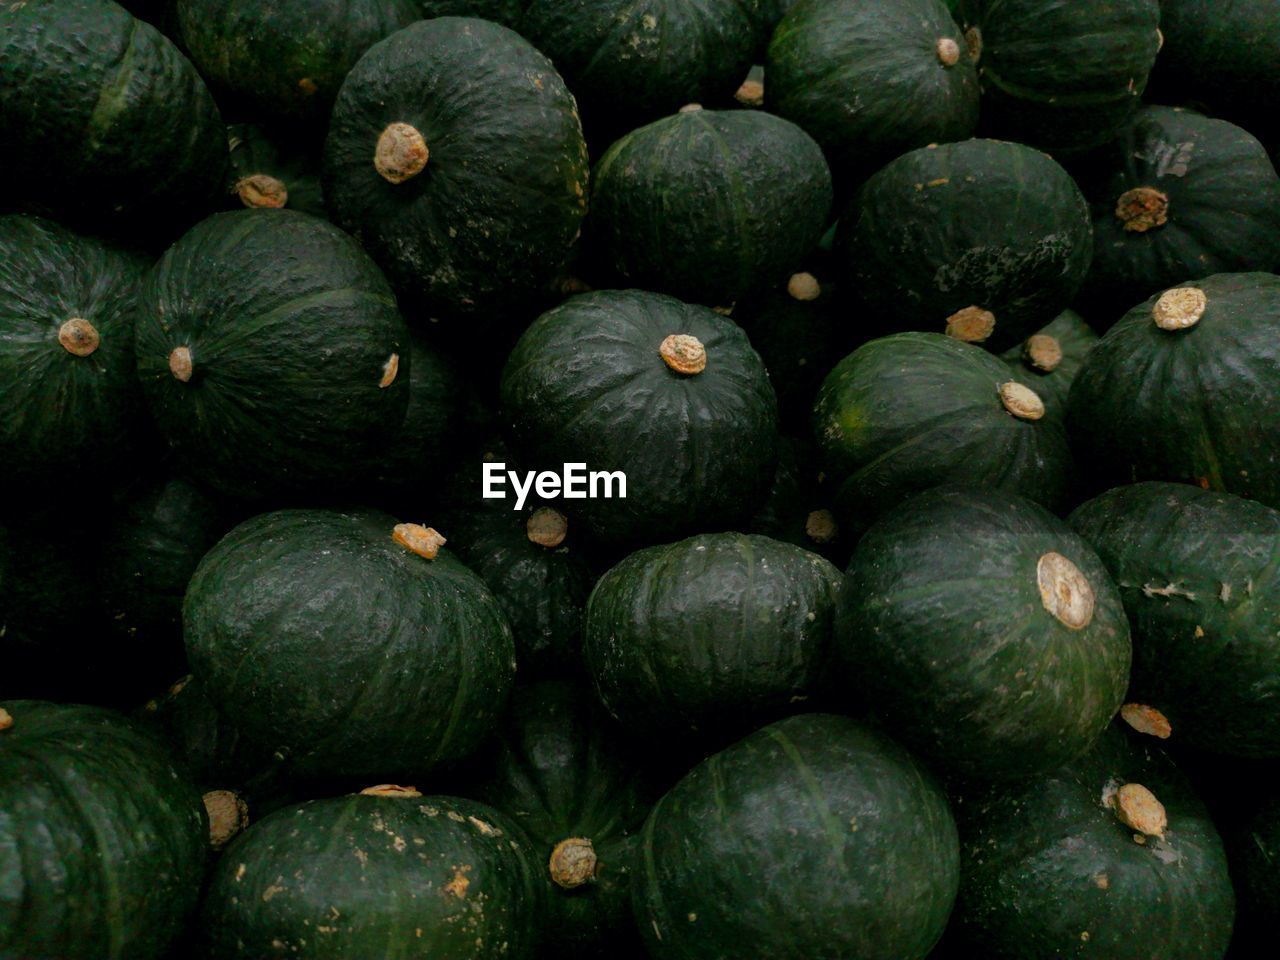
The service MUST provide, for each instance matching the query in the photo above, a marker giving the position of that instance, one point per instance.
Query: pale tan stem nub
(948, 52)
(684, 354)
(1138, 809)
(1142, 209)
(750, 94)
(1065, 591)
(401, 153)
(972, 324)
(391, 790)
(1021, 401)
(389, 371)
(423, 541)
(804, 286)
(573, 863)
(1042, 352)
(1147, 720)
(6, 721)
(180, 363)
(228, 815)
(547, 527)
(261, 191)
(78, 337)
(1180, 308)
(821, 527)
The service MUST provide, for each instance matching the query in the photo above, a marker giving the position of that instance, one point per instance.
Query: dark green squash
(797, 509)
(1062, 76)
(707, 205)
(505, 12)
(712, 636)
(1197, 573)
(269, 171)
(271, 354)
(1111, 856)
(697, 447)
(387, 869)
(103, 842)
(347, 643)
(103, 120)
(1179, 388)
(1048, 360)
(1255, 867)
(984, 240)
(456, 156)
(1183, 197)
(871, 80)
(984, 633)
(813, 837)
(916, 410)
(67, 384)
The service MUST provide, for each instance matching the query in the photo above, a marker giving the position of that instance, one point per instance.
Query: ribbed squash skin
(865, 80)
(1197, 575)
(1075, 339)
(290, 329)
(586, 384)
(981, 223)
(1187, 405)
(135, 134)
(813, 837)
(351, 655)
(256, 153)
(711, 636)
(62, 411)
(1223, 207)
(285, 60)
(103, 843)
(951, 644)
(421, 878)
(1063, 76)
(707, 205)
(916, 410)
(1048, 870)
(489, 221)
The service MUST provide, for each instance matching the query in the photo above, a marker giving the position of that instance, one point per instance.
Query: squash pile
(639, 479)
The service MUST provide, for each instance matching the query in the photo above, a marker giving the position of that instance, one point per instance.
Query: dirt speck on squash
(458, 885)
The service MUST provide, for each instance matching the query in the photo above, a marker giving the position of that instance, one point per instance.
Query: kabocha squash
(135, 138)
(456, 156)
(284, 61)
(1183, 388)
(1197, 575)
(984, 633)
(813, 837)
(271, 354)
(1184, 197)
(351, 644)
(104, 843)
(711, 636)
(984, 240)
(387, 869)
(1062, 76)
(67, 383)
(670, 394)
(917, 410)
(871, 80)
(268, 172)
(1110, 856)
(1048, 360)
(707, 205)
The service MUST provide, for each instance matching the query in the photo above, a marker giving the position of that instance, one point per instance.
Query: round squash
(983, 240)
(67, 384)
(271, 353)
(1048, 360)
(707, 205)
(1178, 389)
(812, 837)
(103, 120)
(670, 394)
(1110, 856)
(351, 644)
(1183, 197)
(456, 156)
(985, 634)
(103, 842)
(437, 877)
(916, 410)
(270, 171)
(1196, 573)
(871, 79)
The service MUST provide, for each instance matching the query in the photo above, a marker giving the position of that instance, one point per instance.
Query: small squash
(269, 171)
(1049, 359)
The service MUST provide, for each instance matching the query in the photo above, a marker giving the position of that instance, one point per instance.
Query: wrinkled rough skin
(1075, 338)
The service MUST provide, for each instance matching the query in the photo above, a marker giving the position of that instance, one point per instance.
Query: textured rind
(103, 119)
(1199, 573)
(352, 656)
(418, 878)
(983, 223)
(950, 643)
(1076, 338)
(864, 80)
(290, 326)
(62, 411)
(102, 843)
(708, 205)
(711, 636)
(916, 410)
(1045, 862)
(489, 222)
(1187, 405)
(813, 837)
(586, 384)
(296, 165)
